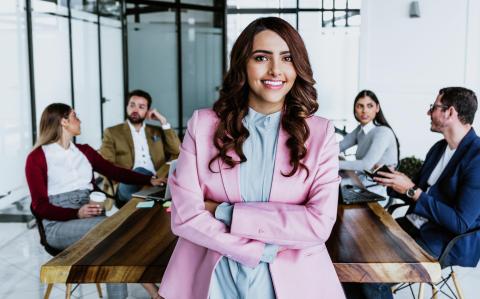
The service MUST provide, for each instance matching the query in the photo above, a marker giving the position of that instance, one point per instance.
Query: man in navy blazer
(445, 197)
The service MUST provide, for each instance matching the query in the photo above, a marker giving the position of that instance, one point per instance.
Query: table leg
(457, 285)
(421, 289)
(48, 291)
(434, 291)
(68, 291)
(99, 290)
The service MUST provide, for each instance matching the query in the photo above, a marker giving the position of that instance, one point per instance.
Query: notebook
(158, 193)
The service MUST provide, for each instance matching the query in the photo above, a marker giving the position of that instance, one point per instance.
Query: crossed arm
(292, 226)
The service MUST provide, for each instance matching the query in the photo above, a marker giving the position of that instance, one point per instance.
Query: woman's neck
(265, 109)
(65, 140)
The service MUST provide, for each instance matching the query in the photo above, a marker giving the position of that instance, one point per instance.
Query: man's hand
(396, 180)
(89, 210)
(211, 206)
(154, 181)
(153, 114)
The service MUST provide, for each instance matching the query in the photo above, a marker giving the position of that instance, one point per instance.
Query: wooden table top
(134, 245)
(368, 245)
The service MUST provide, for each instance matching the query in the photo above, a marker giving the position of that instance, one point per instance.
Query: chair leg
(48, 291)
(397, 287)
(434, 291)
(67, 292)
(457, 285)
(421, 289)
(99, 290)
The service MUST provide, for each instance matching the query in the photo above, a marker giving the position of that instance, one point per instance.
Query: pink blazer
(299, 216)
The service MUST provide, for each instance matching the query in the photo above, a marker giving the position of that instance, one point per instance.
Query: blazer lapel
(230, 178)
(129, 139)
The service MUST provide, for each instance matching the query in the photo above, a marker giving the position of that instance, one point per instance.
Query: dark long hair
(379, 119)
(232, 105)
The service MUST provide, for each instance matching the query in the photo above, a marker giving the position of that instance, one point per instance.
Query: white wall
(407, 60)
(334, 57)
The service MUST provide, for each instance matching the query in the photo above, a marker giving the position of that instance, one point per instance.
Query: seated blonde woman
(60, 177)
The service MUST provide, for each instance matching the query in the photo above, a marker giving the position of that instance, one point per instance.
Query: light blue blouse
(232, 279)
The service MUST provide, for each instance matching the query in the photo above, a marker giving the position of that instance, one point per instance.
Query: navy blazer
(452, 205)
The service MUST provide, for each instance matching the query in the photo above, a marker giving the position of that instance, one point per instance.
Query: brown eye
(288, 58)
(260, 58)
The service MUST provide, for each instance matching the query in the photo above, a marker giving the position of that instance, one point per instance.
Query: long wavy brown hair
(232, 105)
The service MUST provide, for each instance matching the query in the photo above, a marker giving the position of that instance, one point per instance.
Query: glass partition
(199, 2)
(152, 61)
(201, 61)
(112, 71)
(86, 77)
(261, 3)
(15, 113)
(51, 57)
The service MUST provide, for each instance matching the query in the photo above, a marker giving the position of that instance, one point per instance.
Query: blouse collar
(268, 121)
(368, 127)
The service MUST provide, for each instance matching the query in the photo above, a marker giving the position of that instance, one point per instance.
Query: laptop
(350, 194)
(158, 193)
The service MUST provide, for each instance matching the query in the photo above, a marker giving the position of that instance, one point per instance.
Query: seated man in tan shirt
(138, 146)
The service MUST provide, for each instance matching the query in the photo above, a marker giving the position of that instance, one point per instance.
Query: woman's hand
(158, 181)
(89, 210)
(211, 206)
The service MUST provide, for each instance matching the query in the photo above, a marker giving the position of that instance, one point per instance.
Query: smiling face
(270, 72)
(366, 109)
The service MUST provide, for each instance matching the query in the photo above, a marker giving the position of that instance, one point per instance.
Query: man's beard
(135, 118)
(435, 126)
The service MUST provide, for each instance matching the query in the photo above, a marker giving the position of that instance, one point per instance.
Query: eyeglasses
(434, 106)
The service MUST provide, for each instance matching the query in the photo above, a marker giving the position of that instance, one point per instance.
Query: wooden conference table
(134, 245)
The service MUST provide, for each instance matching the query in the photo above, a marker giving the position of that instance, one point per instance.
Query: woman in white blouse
(60, 178)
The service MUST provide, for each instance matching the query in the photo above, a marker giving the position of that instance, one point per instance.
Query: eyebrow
(269, 52)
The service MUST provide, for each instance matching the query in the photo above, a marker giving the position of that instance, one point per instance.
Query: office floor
(21, 256)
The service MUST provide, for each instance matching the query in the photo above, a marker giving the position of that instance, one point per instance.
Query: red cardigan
(36, 173)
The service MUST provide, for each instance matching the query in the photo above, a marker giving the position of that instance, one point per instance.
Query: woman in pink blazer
(256, 185)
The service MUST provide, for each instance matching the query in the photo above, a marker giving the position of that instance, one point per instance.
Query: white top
(142, 152)
(67, 169)
(368, 127)
(418, 220)
(442, 163)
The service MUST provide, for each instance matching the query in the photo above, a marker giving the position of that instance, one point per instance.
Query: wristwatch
(411, 192)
